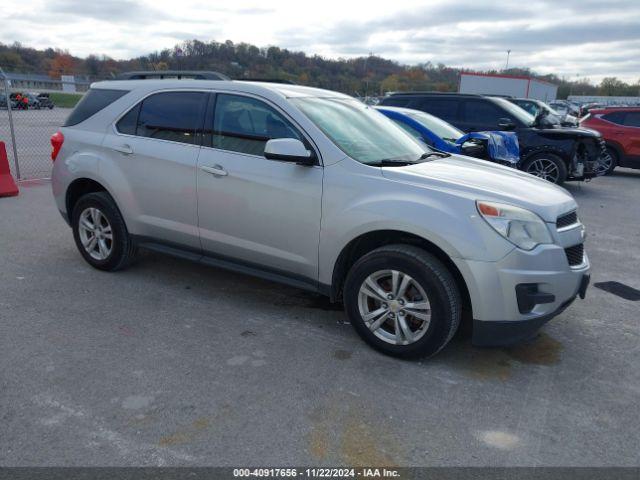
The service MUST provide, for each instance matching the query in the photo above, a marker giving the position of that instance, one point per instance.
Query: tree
(62, 64)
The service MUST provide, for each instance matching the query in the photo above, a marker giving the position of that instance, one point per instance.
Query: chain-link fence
(26, 127)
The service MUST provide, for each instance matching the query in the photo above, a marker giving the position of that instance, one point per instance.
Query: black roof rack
(432, 92)
(179, 74)
(267, 80)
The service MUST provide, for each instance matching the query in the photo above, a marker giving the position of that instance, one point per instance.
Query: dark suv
(546, 150)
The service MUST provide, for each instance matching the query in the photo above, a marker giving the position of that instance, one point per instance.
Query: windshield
(439, 127)
(516, 111)
(360, 131)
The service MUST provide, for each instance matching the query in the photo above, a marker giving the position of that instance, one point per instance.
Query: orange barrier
(8, 187)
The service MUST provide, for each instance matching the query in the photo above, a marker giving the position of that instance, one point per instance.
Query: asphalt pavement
(175, 363)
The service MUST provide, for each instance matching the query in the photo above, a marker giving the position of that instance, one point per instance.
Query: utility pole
(506, 67)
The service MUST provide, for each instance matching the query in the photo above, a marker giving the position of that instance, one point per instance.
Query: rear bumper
(503, 333)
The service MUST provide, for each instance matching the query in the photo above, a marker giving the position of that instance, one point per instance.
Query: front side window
(481, 113)
(445, 108)
(173, 116)
(360, 131)
(615, 117)
(245, 124)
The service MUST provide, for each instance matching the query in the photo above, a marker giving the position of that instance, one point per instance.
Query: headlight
(521, 227)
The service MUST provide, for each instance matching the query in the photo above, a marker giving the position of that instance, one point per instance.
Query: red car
(620, 128)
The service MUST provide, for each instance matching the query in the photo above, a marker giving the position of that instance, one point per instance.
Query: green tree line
(370, 75)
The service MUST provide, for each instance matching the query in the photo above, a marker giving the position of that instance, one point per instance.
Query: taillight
(57, 139)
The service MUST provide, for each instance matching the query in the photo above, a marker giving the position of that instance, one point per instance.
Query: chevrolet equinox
(317, 190)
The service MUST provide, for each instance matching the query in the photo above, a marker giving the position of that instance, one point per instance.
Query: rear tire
(417, 321)
(547, 166)
(100, 232)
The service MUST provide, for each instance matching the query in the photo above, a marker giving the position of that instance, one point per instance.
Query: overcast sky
(571, 38)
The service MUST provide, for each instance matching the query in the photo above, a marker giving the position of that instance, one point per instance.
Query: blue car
(499, 147)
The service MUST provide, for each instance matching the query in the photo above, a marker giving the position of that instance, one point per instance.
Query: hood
(481, 180)
(573, 132)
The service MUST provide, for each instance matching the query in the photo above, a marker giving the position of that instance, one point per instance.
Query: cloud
(594, 37)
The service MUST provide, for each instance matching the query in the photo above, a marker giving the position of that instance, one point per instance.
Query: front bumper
(503, 333)
(513, 297)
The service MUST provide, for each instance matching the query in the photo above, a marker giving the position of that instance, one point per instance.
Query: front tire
(100, 232)
(614, 161)
(547, 166)
(402, 301)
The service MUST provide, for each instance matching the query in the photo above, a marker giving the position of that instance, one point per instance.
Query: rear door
(154, 151)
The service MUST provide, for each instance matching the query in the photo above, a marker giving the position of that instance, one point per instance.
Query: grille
(575, 254)
(567, 219)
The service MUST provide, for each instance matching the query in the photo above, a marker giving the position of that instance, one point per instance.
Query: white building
(510, 85)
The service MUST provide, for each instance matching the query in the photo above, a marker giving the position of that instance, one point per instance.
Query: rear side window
(173, 116)
(244, 124)
(94, 100)
(445, 108)
(632, 119)
(615, 117)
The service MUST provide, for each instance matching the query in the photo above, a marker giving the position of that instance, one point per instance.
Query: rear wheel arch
(367, 242)
(78, 188)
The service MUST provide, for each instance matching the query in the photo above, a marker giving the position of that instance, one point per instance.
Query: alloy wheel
(545, 169)
(95, 233)
(394, 306)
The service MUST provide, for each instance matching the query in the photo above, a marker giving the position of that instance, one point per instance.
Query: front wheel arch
(367, 242)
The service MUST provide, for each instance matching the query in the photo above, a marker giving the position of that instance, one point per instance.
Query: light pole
(506, 67)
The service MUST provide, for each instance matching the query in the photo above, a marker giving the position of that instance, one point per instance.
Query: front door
(263, 213)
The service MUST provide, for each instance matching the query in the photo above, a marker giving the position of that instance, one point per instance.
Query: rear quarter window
(95, 100)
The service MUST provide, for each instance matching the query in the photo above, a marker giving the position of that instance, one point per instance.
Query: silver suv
(314, 189)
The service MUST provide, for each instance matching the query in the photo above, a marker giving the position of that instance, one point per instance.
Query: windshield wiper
(390, 162)
(426, 155)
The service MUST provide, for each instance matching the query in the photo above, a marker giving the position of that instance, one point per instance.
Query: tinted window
(482, 113)
(395, 101)
(615, 117)
(244, 124)
(173, 116)
(632, 119)
(445, 108)
(94, 100)
(128, 123)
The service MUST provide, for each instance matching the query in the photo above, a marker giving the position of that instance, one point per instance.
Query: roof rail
(173, 74)
(432, 92)
(267, 80)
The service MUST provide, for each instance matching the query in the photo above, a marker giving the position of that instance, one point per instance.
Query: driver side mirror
(506, 124)
(289, 150)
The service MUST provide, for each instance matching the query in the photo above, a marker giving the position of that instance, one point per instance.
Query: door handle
(216, 170)
(126, 149)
